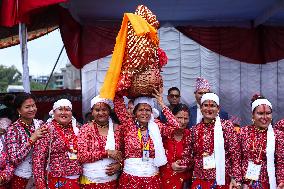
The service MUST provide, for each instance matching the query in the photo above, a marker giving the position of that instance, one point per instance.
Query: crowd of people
(136, 146)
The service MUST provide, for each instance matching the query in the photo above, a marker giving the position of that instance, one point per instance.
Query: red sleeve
(121, 111)
(170, 126)
(118, 135)
(40, 158)
(8, 171)
(87, 152)
(279, 125)
(187, 155)
(234, 148)
(279, 156)
(17, 147)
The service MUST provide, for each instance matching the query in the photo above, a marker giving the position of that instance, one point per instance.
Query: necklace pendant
(205, 154)
(258, 162)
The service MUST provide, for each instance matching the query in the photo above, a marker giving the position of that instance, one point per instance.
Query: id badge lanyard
(145, 144)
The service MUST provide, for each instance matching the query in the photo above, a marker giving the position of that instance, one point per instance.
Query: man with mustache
(202, 86)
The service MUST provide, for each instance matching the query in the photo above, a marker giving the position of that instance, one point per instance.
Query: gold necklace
(101, 126)
(259, 129)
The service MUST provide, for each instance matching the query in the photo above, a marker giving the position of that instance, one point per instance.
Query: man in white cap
(202, 86)
(217, 152)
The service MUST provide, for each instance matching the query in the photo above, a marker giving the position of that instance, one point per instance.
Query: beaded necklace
(70, 140)
(257, 145)
(203, 136)
(29, 129)
(100, 126)
(144, 139)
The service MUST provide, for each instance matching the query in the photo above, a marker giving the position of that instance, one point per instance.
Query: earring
(252, 121)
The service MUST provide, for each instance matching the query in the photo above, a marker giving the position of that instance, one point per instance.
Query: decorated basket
(144, 83)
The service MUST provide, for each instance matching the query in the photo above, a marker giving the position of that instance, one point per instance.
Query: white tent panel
(280, 90)
(269, 85)
(250, 85)
(92, 79)
(230, 78)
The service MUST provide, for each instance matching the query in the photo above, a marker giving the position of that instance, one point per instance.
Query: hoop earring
(252, 121)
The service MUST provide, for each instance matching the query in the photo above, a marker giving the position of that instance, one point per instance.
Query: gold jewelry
(142, 128)
(121, 166)
(101, 126)
(261, 129)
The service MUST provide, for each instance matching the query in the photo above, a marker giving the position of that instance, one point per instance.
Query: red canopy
(87, 42)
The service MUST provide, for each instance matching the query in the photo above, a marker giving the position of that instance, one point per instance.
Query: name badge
(209, 162)
(145, 155)
(72, 156)
(253, 171)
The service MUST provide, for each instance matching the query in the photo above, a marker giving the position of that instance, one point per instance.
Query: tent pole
(54, 68)
(24, 54)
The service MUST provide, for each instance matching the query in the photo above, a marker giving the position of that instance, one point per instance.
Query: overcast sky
(43, 53)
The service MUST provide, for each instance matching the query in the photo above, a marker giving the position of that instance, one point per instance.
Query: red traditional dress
(91, 149)
(253, 144)
(203, 145)
(132, 147)
(174, 149)
(6, 169)
(20, 151)
(62, 167)
(280, 125)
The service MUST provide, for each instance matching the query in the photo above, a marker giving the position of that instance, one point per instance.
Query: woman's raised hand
(159, 97)
(39, 133)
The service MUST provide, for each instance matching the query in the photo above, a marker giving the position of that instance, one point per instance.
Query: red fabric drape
(8, 14)
(252, 45)
(70, 33)
(12, 15)
(85, 44)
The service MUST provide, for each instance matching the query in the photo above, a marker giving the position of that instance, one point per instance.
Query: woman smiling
(21, 137)
(55, 162)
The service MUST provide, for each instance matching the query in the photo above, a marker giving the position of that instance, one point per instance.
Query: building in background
(66, 78)
(71, 77)
(57, 81)
(40, 79)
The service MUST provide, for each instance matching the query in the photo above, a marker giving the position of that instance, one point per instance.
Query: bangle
(239, 183)
(120, 165)
(31, 142)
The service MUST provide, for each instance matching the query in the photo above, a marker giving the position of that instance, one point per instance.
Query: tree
(9, 76)
(37, 86)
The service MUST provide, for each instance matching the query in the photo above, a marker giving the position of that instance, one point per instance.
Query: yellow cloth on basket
(141, 27)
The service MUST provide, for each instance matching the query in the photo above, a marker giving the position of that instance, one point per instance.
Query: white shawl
(270, 151)
(219, 151)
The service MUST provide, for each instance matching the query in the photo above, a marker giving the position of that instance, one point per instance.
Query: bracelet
(120, 165)
(239, 183)
(31, 142)
(107, 154)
